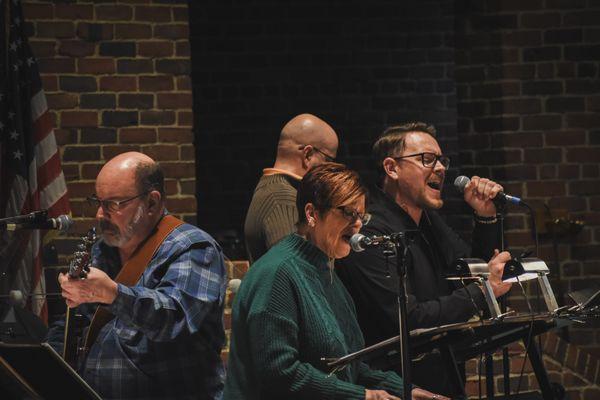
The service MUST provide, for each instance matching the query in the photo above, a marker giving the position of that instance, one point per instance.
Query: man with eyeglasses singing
(305, 141)
(413, 169)
(160, 284)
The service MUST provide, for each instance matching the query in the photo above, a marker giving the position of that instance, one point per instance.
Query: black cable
(534, 233)
(526, 354)
(477, 310)
(503, 309)
(529, 337)
(533, 227)
(564, 331)
(480, 368)
(480, 316)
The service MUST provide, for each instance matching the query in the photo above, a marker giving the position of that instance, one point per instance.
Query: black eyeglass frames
(327, 157)
(111, 205)
(353, 215)
(429, 159)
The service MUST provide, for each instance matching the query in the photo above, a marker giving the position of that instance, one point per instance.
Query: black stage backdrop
(358, 65)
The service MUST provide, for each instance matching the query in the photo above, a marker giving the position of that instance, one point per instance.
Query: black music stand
(14, 386)
(463, 341)
(43, 373)
(587, 298)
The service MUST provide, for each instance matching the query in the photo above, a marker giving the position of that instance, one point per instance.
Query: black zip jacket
(372, 279)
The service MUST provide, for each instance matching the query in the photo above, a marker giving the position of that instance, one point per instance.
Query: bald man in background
(305, 141)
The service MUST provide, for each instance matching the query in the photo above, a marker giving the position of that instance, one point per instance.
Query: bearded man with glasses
(413, 170)
(160, 284)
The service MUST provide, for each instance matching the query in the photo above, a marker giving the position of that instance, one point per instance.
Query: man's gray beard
(121, 238)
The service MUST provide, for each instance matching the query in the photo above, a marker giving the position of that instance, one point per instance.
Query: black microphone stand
(34, 217)
(399, 241)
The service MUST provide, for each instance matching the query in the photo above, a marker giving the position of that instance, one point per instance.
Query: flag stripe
(52, 193)
(49, 172)
(42, 127)
(38, 105)
(18, 196)
(45, 149)
(60, 205)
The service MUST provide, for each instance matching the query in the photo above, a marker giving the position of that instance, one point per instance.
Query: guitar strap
(132, 271)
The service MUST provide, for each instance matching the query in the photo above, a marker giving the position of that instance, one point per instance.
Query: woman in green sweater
(291, 309)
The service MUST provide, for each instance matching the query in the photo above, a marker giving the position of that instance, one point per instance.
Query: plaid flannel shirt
(167, 334)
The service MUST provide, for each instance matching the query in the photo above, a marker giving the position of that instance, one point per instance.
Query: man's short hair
(392, 140)
(149, 176)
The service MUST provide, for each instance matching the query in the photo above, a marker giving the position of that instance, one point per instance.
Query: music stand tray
(471, 333)
(45, 372)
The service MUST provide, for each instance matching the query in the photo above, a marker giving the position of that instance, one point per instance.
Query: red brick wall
(117, 78)
(527, 77)
(568, 365)
(528, 99)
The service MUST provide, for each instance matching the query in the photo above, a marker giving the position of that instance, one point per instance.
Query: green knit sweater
(290, 312)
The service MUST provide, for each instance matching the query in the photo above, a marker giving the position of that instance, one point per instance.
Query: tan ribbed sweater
(272, 214)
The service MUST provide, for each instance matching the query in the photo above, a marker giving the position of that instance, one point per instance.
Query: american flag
(31, 176)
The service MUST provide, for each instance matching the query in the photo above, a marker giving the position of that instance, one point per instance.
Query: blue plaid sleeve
(192, 285)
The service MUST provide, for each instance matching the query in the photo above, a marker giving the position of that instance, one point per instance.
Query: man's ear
(154, 201)
(307, 154)
(389, 167)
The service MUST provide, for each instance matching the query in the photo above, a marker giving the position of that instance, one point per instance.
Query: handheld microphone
(501, 198)
(61, 223)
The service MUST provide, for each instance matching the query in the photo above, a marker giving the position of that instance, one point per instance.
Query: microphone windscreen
(15, 298)
(461, 182)
(64, 223)
(234, 285)
(356, 242)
